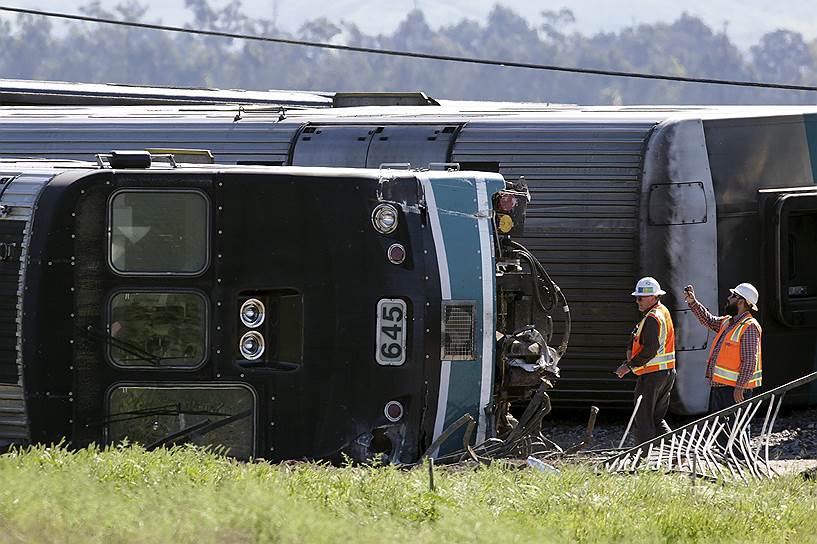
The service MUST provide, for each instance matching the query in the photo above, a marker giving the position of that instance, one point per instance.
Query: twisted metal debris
(523, 440)
(526, 439)
(716, 447)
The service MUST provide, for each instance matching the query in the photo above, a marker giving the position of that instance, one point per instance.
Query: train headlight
(252, 313)
(251, 345)
(384, 218)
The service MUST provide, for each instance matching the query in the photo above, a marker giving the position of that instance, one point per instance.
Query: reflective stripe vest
(665, 357)
(727, 365)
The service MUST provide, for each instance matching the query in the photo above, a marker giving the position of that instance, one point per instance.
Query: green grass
(189, 495)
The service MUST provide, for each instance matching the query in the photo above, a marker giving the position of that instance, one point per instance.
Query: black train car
(277, 312)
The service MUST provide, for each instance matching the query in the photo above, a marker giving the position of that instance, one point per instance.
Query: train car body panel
(456, 212)
(77, 139)
(778, 163)
(17, 202)
(581, 224)
(707, 190)
(678, 241)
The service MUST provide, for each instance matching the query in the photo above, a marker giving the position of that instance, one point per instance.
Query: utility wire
(412, 54)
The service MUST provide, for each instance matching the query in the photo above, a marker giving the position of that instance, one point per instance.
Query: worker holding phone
(734, 367)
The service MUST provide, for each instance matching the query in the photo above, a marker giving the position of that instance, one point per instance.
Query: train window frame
(208, 237)
(793, 309)
(206, 386)
(162, 290)
(663, 210)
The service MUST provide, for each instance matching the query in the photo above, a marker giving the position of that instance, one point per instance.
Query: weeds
(187, 494)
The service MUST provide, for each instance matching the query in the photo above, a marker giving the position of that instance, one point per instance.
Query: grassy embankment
(187, 495)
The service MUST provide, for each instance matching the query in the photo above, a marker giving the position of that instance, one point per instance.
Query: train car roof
(14, 92)
(53, 100)
(486, 111)
(12, 166)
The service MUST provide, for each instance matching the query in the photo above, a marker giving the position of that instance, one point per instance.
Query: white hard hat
(647, 287)
(748, 292)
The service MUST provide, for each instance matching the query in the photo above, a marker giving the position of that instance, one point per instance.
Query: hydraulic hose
(538, 271)
(535, 282)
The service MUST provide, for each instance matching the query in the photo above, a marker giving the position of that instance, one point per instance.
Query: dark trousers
(724, 397)
(654, 389)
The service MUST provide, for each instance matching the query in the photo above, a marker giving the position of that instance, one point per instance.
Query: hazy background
(744, 20)
(753, 39)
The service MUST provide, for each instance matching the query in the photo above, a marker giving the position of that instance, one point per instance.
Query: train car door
(791, 231)
(341, 146)
(789, 314)
(418, 145)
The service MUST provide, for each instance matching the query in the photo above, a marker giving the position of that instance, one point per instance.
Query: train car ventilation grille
(458, 330)
(11, 243)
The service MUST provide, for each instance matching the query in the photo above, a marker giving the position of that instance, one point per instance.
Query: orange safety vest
(665, 357)
(727, 365)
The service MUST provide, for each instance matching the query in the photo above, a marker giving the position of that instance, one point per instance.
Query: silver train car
(711, 196)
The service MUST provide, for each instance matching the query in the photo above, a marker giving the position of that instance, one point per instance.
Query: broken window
(159, 416)
(157, 329)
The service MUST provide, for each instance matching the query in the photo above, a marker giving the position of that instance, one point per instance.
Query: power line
(412, 54)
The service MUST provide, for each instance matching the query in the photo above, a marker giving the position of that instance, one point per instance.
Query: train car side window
(150, 329)
(794, 228)
(801, 265)
(158, 232)
(156, 416)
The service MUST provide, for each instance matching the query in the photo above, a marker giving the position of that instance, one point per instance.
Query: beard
(731, 308)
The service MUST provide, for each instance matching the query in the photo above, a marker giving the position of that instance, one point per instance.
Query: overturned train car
(275, 312)
(706, 195)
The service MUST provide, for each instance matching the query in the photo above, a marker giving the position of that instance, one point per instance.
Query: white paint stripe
(442, 402)
(486, 249)
(445, 291)
(439, 243)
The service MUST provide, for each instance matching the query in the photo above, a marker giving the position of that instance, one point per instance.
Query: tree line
(35, 47)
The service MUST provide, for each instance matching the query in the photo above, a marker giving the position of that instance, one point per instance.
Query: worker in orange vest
(734, 368)
(651, 357)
